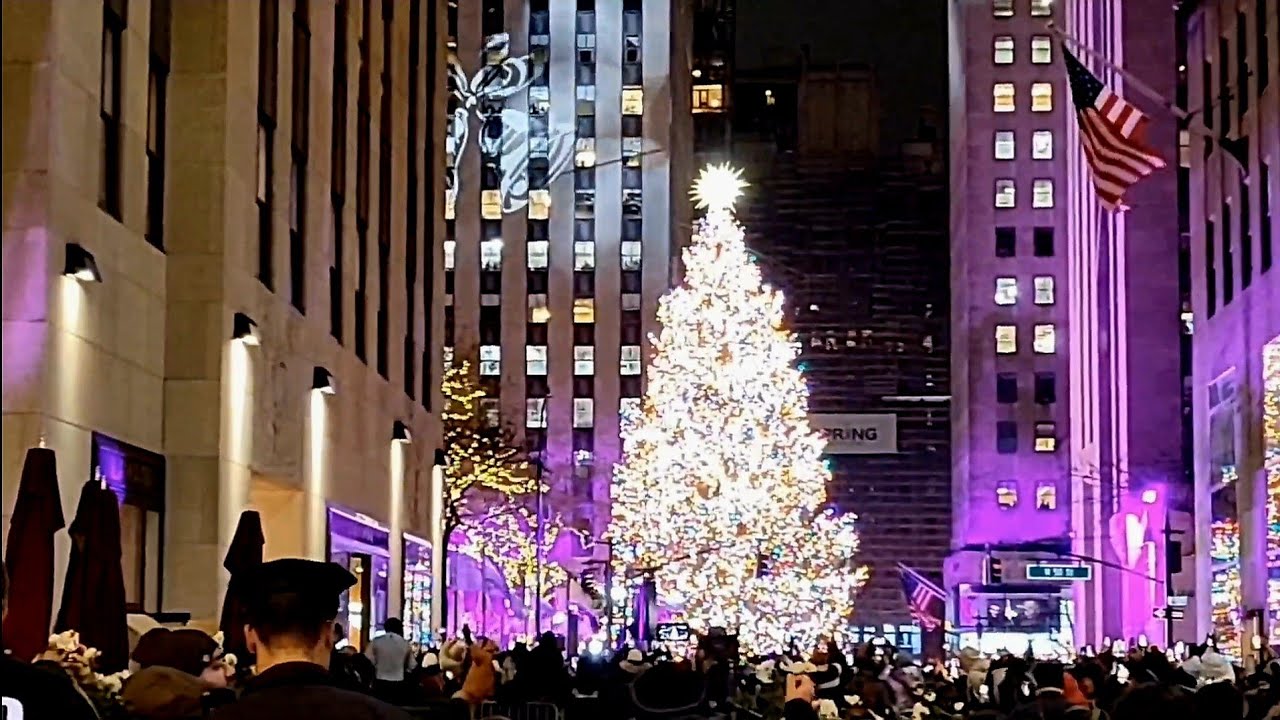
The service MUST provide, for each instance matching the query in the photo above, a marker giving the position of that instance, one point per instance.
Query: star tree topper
(718, 187)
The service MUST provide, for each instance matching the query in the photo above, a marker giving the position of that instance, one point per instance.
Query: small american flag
(927, 601)
(1113, 133)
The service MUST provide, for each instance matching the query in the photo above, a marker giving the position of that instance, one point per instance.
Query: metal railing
(490, 710)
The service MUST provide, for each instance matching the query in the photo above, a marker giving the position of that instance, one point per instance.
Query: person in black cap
(291, 608)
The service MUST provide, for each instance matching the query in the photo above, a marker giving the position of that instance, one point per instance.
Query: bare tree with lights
(721, 493)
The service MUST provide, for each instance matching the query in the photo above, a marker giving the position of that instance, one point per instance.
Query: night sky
(905, 41)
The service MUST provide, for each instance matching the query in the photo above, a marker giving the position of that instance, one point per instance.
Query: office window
(450, 247)
(491, 255)
(584, 256)
(630, 255)
(1006, 339)
(1007, 494)
(1261, 49)
(1228, 255)
(1246, 234)
(1004, 145)
(299, 145)
(584, 412)
(630, 301)
(584, 310)
(1041, 49)
(1264, 209)
(1006, 388)
(109, 108)
(538, 312)
(1044, 289)
(1041, 8)
(491, 204)
(338, 172)
(1210, 268)
(1242, 63)
(490, 359)
(584, 359)
(535, 359)
(1041, 97)
(1044, 339)
(1003, 50)
(1042, 193)
(630, 360)
(1046, 389)
(268, 36)
(1006, 242)
(539, 204)
(708, 98)
(632, 101)
(535, 412)
(1046, 437)
(584, 155)
(157, 92)
(1002, 8)
(1046, 496)
(1006, 437)
(1006, 193)
(1006, 290)
(1042, 145)
(536, 252)
(1042, 241)
(1003, 97)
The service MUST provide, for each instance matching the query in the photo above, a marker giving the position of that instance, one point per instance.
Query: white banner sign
(862, 434)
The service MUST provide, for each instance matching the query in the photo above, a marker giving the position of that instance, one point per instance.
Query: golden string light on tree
(721, 492)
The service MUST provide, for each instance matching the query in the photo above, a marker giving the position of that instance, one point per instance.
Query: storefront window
(417, 591)
(137, 477)
(360, 544)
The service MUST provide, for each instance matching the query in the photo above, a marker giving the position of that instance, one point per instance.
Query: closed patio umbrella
(93, 595)
(244, 556)
(28, 559)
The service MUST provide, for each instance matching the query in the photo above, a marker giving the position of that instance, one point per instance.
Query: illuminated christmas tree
(721, 494)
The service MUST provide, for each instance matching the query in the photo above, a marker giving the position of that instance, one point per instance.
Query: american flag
(1113, 133)
(927, 601)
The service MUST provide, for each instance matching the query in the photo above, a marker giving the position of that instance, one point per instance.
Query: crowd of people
(296, 664)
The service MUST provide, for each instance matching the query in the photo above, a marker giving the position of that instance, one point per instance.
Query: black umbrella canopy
(244, 555)
(28, 560)
(93, 601)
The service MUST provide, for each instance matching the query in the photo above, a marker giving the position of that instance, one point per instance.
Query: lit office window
(1044, 289)
(1002, 8)
(1041, 8)
(1041, 97)
(1046, 496)
(535, 412)
(450, 204)
(1046, 437)
(491, 254)
(1042, 145)
(630, 255)
(1006, 339)
(537, 254)
(1007, 494)
(491, 204)
(491, 411)
(584, 359)
(584, 310)
(1003, 50)
(584, 255)
(1004, 145)
(1006, 290)
(539, 204)
(708, 98)
(446, 355)
(535, 359)
(631, 147)
(1006, 194)
(449, 247)
(1003, 97)
(584, 153)
(538, 311)
(1044, 339)
(584, 412)
(1041, 49)
(632, 101)
(490, 360)
(630, 360)
(1042, 193)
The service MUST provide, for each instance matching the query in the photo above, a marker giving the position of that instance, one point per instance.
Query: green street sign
(1059, 572)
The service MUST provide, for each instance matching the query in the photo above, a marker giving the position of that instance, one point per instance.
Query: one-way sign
(1170, 613)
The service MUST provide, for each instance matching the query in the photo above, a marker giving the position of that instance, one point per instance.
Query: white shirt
(391, 657)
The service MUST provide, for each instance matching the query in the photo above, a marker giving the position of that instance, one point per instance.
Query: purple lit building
(1065, 335)
(1232, 66)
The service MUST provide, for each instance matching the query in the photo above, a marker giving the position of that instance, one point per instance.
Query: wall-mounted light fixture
(81, 265)
(244, 329)
(400, 433)
(322, 380)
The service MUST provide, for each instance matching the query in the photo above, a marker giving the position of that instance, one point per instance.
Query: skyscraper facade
(1232, 51)
(1065, 363)
(569, 147)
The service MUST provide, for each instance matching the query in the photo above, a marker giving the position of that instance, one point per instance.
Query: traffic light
(995, 571)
